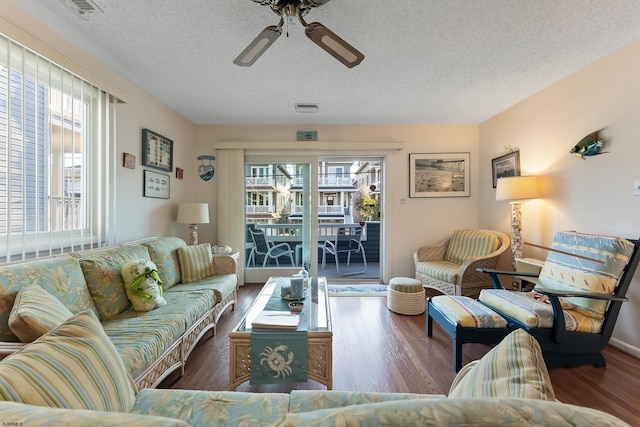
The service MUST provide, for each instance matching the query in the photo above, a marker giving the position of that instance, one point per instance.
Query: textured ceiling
(426, 61)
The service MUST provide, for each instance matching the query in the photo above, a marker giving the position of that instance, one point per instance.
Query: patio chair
(348, 241)
(450, 266)
(576, 299)
(267, 249)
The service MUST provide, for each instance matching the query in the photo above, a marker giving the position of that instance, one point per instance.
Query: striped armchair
(450, 266)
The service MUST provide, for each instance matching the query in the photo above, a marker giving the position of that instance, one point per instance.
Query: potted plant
(367, 207)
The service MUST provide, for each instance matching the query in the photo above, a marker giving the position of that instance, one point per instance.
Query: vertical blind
(56, 142)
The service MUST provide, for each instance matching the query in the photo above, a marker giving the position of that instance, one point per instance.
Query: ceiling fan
(291, 11)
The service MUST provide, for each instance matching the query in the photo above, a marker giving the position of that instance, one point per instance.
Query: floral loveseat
(38, 295)
(74, 375)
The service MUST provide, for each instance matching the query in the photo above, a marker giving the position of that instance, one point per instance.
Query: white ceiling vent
(307, 108)
(83, 8)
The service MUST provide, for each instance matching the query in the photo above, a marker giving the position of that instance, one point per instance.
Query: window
(53, 135)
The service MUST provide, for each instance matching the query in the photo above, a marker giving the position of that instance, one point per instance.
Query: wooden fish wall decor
(590, 145)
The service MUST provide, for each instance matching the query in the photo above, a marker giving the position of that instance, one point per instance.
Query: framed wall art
(439, 175)
(156, 185)
(157, 151)
(506, 165)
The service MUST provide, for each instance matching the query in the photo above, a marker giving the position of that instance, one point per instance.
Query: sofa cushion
(313, 400)
(104, 280)
(221, 284)
(513, 368)
(454, 412)
(62, 277)
(36, 312)
(19, 414)
(196, 262)
(213, 408)
(142, 337)
(163, 253)
(75, 366)
(569, 273)
(466, 244)
(143, 284)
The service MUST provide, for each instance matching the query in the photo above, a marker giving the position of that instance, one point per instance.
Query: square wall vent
(83, 8)
(307, 108)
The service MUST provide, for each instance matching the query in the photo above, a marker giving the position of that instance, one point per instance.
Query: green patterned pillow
(36, 312)
(106, 285)
(163, 253)
(513, 368)
(75, 366)
(18, 414)
(196, 262)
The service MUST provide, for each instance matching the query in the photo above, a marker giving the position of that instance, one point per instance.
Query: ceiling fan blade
(332, 43)
(258, 46)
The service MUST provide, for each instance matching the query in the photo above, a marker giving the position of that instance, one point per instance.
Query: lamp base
(193, 235)
(516, 232)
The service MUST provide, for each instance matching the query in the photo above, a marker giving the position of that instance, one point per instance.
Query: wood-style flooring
(377, 350)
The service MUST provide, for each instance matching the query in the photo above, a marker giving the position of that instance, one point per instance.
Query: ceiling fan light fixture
(258, 46)
(334, 44)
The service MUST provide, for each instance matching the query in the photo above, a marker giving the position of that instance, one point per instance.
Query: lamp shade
(517, 188)
(193, 213)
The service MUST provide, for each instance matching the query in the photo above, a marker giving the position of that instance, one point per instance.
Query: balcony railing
(322, 209)
(260, 182)
(328, 181)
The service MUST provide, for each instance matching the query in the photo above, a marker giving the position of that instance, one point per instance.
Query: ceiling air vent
(307, 108)
(83, 7)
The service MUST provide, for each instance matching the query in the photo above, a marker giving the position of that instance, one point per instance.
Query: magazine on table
(276, 320)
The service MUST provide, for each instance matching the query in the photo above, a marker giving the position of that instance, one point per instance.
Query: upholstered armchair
(450, 266)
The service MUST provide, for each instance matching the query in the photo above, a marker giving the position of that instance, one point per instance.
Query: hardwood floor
(377, 350)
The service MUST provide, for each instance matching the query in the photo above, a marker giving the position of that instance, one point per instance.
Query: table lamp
(193, 214)
(516, 189)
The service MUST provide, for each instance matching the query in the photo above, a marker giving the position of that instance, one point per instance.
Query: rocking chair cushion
(527, 308)
(516, 356)
(565, 272)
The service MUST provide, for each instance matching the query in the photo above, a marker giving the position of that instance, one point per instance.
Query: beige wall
(593, 195)
(410, 222)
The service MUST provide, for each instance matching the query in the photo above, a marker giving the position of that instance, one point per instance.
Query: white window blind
(56, 132)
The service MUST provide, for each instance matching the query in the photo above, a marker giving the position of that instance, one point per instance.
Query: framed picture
(156, 185)
(157, 151)
(507, 165)
(128, 161)
(179, 173)
(439, 175)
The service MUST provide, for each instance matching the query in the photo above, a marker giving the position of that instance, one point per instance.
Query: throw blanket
(279, 356)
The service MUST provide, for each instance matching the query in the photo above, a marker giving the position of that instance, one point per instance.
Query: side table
(527, 265)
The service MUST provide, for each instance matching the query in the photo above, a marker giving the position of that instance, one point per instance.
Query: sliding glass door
(297, 210)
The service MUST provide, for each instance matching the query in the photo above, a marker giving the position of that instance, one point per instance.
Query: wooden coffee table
(320, 336)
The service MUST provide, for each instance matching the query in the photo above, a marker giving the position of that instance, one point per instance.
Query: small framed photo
(439, 175)
(156, 185)
(179, 173)
(128, 161)
(507, 165)
(157, 151)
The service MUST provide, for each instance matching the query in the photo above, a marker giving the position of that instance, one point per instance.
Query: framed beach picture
(507, 165)
(157, 151)
(156, 185)
(439, 175)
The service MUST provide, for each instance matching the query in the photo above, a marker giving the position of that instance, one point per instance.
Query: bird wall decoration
(590, 145)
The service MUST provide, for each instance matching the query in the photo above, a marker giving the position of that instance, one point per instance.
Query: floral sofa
(38, 295)
(74, 375)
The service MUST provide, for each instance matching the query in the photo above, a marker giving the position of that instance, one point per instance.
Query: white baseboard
(627, 348)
